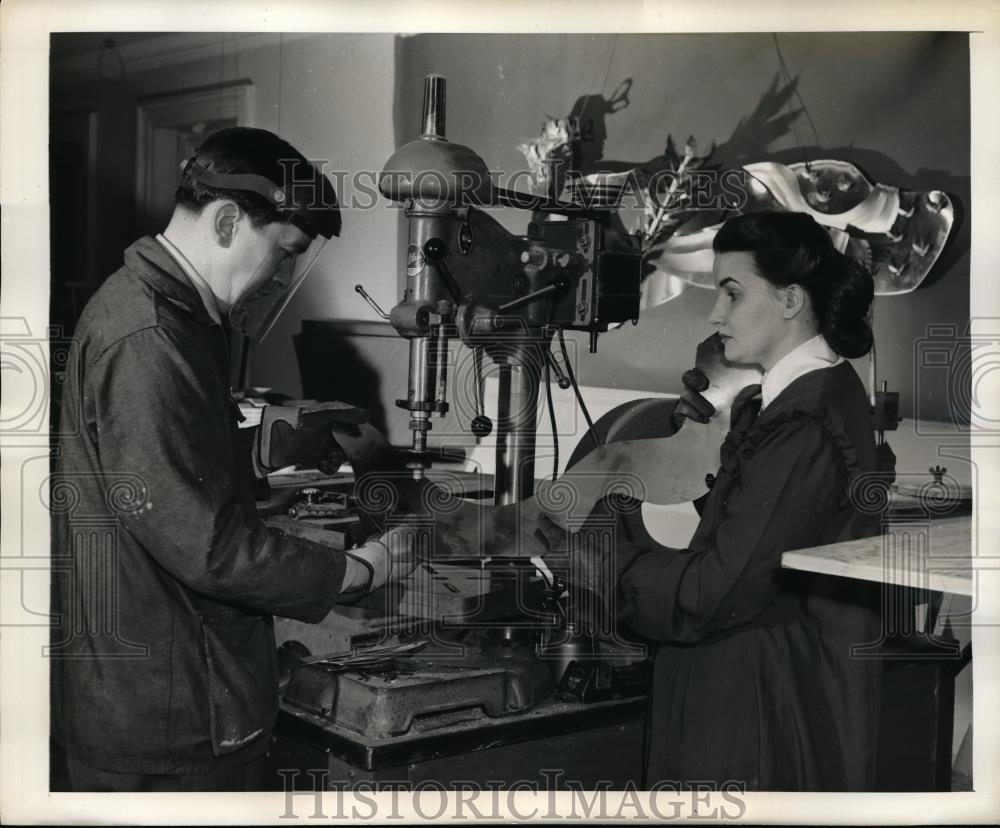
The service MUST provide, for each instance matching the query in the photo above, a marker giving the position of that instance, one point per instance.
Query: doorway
(169, 128)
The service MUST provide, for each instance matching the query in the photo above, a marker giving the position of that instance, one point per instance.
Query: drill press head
(504, 294)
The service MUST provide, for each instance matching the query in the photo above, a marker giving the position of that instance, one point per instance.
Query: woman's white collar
(811, 355)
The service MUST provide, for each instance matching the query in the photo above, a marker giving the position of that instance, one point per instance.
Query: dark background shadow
(332, 367)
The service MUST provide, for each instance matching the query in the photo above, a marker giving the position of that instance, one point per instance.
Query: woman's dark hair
(239, 150)
(791, 248)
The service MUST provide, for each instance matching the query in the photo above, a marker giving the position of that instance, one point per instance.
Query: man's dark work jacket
(164, 577)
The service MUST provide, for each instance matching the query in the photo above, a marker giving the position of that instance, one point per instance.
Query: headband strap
(314, 219)
(238, 181)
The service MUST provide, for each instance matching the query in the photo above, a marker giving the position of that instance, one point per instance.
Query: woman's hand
(585, 561)
(584, 557)
(692, 405)
(728, 384)
(552, 536)
(711, 353)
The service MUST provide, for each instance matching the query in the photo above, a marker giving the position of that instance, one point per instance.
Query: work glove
(710, 358)
(303, 435)
(692, 405)
(385, 559)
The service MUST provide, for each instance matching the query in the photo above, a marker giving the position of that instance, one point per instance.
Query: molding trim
(231, 99)
(174, 48)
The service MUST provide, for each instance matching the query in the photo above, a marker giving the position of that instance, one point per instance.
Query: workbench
(555, 746)
(927, 569)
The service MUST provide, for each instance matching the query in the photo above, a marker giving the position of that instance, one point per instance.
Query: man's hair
(234, 151)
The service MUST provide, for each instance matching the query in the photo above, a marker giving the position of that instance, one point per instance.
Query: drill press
(500, 294)
(503, 296)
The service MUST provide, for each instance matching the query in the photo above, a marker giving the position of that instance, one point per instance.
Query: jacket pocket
(242, 677)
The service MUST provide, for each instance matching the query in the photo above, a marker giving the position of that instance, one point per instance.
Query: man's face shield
(308, 204)
(280, 272)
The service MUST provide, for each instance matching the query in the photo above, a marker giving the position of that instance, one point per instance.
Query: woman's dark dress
(754, 676)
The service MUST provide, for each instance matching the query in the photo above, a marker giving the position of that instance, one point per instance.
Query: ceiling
(73, 44)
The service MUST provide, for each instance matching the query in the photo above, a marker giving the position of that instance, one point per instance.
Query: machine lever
(525, 201)
(556, 287)
(370, 301)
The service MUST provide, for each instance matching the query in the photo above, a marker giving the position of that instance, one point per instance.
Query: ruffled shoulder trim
(741, 446)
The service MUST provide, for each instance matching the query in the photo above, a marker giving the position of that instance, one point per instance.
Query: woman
(759, 673)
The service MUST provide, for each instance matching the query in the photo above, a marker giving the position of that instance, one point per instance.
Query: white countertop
(934, 555)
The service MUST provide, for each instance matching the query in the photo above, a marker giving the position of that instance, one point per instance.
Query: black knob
(482, 425)
(435, 248)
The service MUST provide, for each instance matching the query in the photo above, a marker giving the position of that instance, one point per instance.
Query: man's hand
(303, 435)
(383, 560)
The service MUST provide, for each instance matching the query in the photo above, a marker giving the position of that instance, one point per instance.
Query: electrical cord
(477, 364)
(552, 413)
(576, 389)
(626, 528)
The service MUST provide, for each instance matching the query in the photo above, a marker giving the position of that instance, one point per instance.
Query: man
(165, 578)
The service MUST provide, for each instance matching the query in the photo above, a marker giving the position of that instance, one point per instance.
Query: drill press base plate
(418, 693)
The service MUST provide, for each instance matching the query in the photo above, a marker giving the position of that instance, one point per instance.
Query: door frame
(230, 99)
